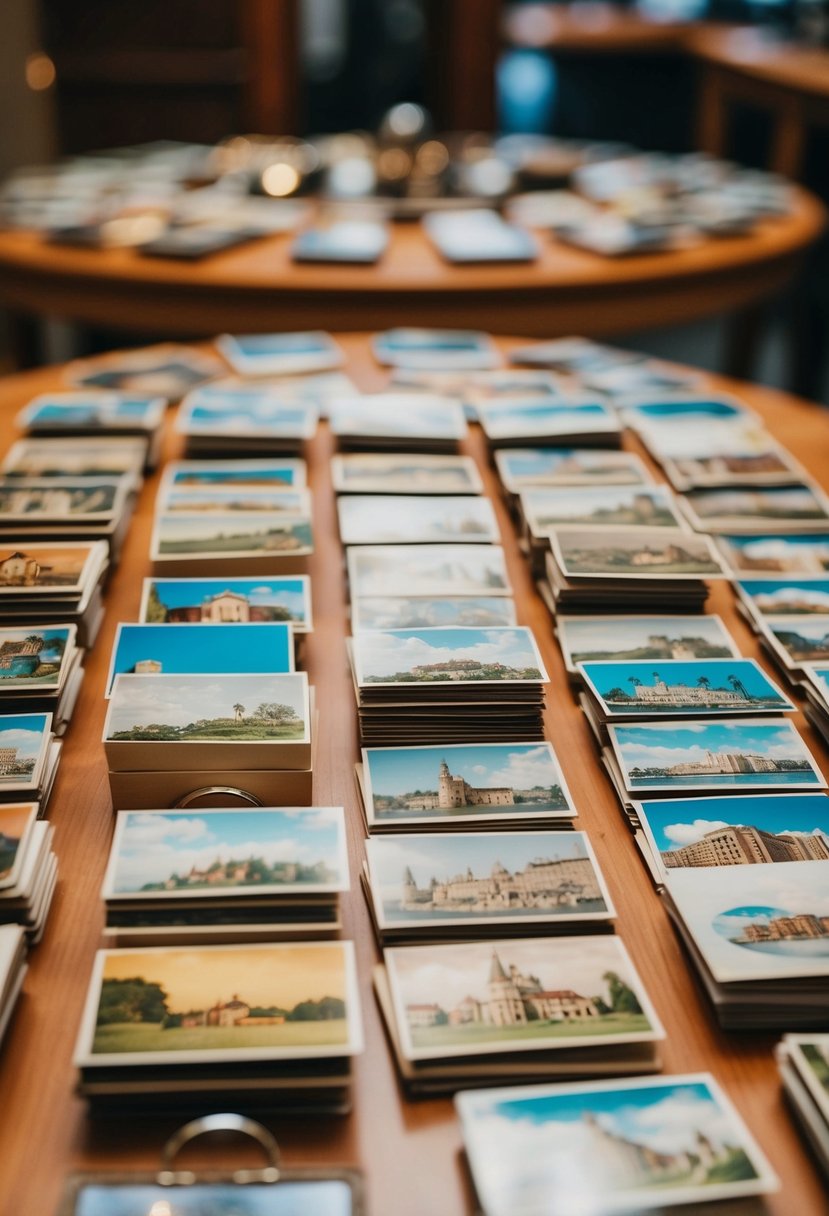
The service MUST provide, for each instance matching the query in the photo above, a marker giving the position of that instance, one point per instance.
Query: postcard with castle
(428, 570)
(64, 568)
(755, 829)
(193, 649)
(592, 639)
(463, 785)
(415, 657)
(682, 688)
(108, 456)
(24, 743)
(773, 554)
(544, 508)
(521, 468)
(216, 601)
(222, 854)
(35, 657)
(612, 1147)
(517, 995)
(745, 753)
(404, 473)
(271, 474)
(16, 822)
(793, 596)
(400, 415)
(634, 553)
(420, 883)
(390, 612)
(173, 1005)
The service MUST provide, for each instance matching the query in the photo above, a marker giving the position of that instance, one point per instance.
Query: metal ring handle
(219, 1123)
(232, 790)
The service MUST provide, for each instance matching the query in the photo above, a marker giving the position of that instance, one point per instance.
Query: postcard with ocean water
(233, 535)
(803, 596)
(224, 601)
(34, 657)
(585, 639)
(390, 613)
(763, 923)
(684, 409)
(804, 640)
(449, 1000)
(218, 1004)
(226, 853)
(16, 820)
(396, 473)
(688, 833)
(771, 555)
(609, 1147)
(305, 1197)
(603, 506)
(545, 420)
(447, 656)
(228, 474)
(49, 569)
(635, 553)
(399, 415)
(742, 754)
(469, 783)
(204, 648)
(428, 570)
(396, 519)
(440, 881)
(519, 468)
(104, 411)
(680, 687)
(24, 739)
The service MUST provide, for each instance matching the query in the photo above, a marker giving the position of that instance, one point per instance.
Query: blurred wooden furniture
(590, 29)
(410, 1151)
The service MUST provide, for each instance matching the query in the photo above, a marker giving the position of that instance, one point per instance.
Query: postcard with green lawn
(385, 612)
(171, 723)
(428, 886)
(193, 649)
(208, 1005)
(681, 688)
(395, 520)
(417, 657)
(773, 554)
(634, 553)
(610, 1147)
(794, 596)
(16, 822)
(601, 506)
(208, 541)
(520, 468)
(586, 639)
(481, 785)
(746, 753)
(791, 508)
(405, 473)
(35, 657)
(231, 474)
(227, 601)
(427, 570)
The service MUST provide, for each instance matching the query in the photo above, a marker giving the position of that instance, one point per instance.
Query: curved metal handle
(212, 790)
(167, 1176)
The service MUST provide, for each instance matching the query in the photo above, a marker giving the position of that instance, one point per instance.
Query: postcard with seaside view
(35, 657)
(224, 601)
(447, 656)
(693, 687)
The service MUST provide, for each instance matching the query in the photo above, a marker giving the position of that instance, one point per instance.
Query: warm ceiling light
(280, 180)
(40, 72)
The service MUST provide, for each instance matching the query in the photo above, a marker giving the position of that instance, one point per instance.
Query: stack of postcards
(608, 370)
(29, 756)
(54, 584)
(506, 1010)
(755, 510)
(168, 735)
(297, 359)
(269, 1025)
(413, 586)
(231, 418)
(803, 1061)
(637, 1145)
(448, 685)
(67, 508)
(573, 420)
(111, 457)
(28, 868)
(633, 568)
(463, 885)
(40, 670)
(523, 469)
(796, 643)
(12, 972)
(816, 688)
(399, 421)
(92, 414)
(484, 787)
(225, 875)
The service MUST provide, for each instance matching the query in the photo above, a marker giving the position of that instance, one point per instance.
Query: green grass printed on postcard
(150, 1036)
(482, 1032)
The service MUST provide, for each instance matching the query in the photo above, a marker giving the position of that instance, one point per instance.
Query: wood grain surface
(409, 1150)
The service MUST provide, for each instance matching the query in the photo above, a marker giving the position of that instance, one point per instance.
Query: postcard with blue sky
(16, 822)
(227, 600)
(743, 754)
(609, 1147)
(192, 649)
(542, 420)
(684, 409)
(447, 656)
(210, 853)
(306, 1197)
(771, 555)
(231, 473)
(786, 596)
(598, 638)
(272, 354)
(392, 613)
(519, 468)
(755, 829)
(401, 519)
(435, 348)
(802, 640)
(677, 687)
(23, 742)
(248, 411)
(82, 410)
(602, 506)
(818, 673)
(34, 657)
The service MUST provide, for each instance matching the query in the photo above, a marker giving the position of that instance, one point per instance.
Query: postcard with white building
(678, 688)
(24, 742)
(219, 601)
(634, 553)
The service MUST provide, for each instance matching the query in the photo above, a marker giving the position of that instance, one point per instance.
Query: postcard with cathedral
(223, 601)
(517, 995)
(213, 1004)
(419, 883)
(586, 639)
(609, 1147)
(679, 688)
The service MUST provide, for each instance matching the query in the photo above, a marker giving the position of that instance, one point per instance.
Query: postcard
(275, 354)
(167, 371)
(88, 457)
(543, 420)
(702, 833)
(24, 741)
(34, 657)
(16, 821)
(759, 508)
(389, 472)
(87, 500)
(451, 1000)
(254, 534)
(229, 500)
(435, 349)
(229, 474)
(428, 570)
(472, 783)
(249, 851)
(204, 648)
(794, 596)
(683, 687)
(92, 411)
(399, 416)
(427, 881)
(714, 437)
(642, 376)
(818, 673)
(735, 755)
(774, 553)
(511, 384)
(520, 468)
(635, 553)
(394, 520)
(810, 1055)
(799, 642)
(224, 601)
(769, 465)
(700, 410)
(585, 639)
(413, 657)
(763, 923)
(370, 612)
(321, 1195)
(58, 568)
(609, 1147)
(601, 506)
(574, 356)
(247, 411)
(219, 1004)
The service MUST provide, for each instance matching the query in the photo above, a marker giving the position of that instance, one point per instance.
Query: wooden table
(410, 1151)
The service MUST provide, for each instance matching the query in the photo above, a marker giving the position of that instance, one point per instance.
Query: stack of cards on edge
(166, 736)
(40, 670)
(272, 1026)
(507, 1010)
(28, 868)
(29, 756)
(94, 414)
(803, 1061)
(12, 972)
(220, 875)
(448, 685)
(54, 584)
(238, 419)
(399, 421)
(816, 688)
(526, 468)
(67, 508)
